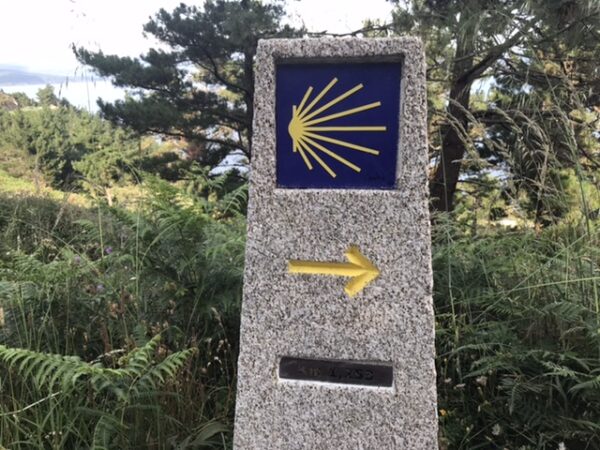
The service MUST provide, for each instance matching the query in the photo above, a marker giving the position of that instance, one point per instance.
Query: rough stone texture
(284, 314)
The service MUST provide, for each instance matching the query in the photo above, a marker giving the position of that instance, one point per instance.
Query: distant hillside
(10, 76)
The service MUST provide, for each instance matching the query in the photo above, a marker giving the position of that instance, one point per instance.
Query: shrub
(518, 337)
(98, 285)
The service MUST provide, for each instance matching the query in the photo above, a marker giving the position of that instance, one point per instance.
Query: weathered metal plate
(341, 372)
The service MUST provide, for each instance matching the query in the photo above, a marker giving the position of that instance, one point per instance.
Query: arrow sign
(359, 268)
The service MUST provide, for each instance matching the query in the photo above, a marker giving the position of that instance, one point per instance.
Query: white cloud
(38, 33)
(337, 16)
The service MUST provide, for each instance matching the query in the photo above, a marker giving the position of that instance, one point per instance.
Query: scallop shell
(306, 130)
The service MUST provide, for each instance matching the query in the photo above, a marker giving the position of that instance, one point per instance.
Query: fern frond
(167, 369)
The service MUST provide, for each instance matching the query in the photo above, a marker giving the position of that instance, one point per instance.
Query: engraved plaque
(341, 372)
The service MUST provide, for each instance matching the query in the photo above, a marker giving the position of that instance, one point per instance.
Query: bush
(99, 285)
(518, 337)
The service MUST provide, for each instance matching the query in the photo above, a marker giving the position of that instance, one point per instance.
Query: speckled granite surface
(307, 316)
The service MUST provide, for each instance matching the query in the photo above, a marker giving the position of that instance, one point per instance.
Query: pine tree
(202, 88)
(472, 40)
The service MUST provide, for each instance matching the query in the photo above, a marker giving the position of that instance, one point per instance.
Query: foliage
(518, 340)
(517, 323)
(47, 97)
(55, 140)
(119, 323)
(97, 285)
(533, 58)
(117, 397)
(7, 102)
(23, 100)
(70, 148)
(202, 88)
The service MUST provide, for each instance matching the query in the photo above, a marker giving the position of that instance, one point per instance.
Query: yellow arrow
(359, 268)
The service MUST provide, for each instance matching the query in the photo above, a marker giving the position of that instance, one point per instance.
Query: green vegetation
(518, 336)
(60, 144)
(535, 55)
(218, 41)
(121, 258)
(144, 304)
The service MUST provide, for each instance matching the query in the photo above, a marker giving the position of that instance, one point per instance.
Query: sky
(38, 34)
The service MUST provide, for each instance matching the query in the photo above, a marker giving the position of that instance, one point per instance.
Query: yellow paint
(296, 128)
(295, 144)
(345, 128)
(342, 143)
(305, 158)
(305, 134)
(306, 95)
(330, 153)
(324, 165)
(358, 267)
(318, 97)
(333, 102)
(343, 113)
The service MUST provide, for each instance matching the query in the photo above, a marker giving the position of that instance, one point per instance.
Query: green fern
(139, 374)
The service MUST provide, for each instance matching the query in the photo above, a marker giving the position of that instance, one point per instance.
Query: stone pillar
(337, 333)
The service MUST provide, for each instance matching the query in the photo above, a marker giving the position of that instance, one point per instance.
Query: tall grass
(518, 310)
(518, 337)
(130, 323)
(119, 327)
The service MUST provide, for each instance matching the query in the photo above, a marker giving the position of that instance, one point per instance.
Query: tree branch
(215, 71)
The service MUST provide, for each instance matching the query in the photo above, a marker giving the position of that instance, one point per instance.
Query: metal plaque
(341, 372)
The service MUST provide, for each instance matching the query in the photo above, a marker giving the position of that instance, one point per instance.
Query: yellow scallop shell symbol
(307, 136)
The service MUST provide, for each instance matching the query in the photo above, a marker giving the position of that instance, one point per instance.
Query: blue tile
(356, 119)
